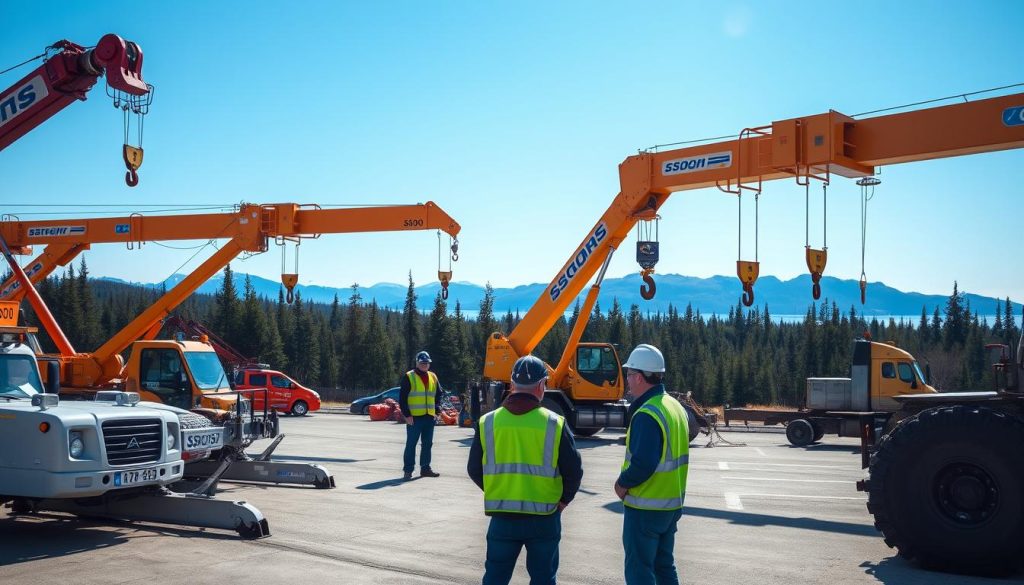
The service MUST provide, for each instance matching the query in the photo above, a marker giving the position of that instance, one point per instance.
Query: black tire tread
(912, 435)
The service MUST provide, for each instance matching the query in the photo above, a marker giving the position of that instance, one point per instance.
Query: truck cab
(285, 394)
(891, 372)
(53, 449)
(183, 374)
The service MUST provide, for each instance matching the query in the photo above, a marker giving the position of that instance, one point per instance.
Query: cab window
(280, 382)
(906, 373)
(257, 379)
(161, 372)
(597, 365)
(888, 370)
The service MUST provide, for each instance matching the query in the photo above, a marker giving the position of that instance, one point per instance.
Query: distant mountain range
(708, 295)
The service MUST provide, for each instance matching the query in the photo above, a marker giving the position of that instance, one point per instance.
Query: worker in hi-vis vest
(419, 396)
(652, 483)
(524, 458)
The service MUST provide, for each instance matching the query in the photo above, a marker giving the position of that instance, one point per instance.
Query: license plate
(134, 476)
(204, 439)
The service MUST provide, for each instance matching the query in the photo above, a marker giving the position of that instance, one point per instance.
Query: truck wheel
(692, 424)
(818, 432)
(300, 408)
(800, 432)
(945, 489)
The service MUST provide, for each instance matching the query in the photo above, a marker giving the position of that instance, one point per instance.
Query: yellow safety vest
(666, 488)
(421, 400)
(521, 461)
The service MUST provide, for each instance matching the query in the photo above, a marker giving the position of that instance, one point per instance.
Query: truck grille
(132, 441)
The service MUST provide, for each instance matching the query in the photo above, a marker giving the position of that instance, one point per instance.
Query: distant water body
(911, 319)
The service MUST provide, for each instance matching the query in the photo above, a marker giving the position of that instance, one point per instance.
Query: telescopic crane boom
(249, 229)
(807, 148)
(67, 75)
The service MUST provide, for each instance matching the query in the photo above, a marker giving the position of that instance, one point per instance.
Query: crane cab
(596, 373)
(183, 374)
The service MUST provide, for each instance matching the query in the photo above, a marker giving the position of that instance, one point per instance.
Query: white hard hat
(645, 358)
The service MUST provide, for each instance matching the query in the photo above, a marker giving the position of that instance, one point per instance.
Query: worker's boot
(428, 472)
(407, 476)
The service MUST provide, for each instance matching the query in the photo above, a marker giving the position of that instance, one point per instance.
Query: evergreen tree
(227, 319)
(411, 322)
(376, 352)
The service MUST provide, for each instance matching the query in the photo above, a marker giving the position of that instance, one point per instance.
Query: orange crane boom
(812, 146)
(247, 230)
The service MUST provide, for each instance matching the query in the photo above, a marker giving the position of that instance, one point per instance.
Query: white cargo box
(829, 394)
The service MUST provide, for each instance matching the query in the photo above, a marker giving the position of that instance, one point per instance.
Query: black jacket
(403, 395)
(570, 464)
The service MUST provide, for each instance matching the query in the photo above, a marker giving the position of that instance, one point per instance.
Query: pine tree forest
(352, 347)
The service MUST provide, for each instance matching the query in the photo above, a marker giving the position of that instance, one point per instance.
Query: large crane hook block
(289, 281)
(747, 273)
(445, 277)
(816, 260)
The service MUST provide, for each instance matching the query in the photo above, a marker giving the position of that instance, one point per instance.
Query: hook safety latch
(747, 273)
(816, 260)
(445, 278)
(132, 161)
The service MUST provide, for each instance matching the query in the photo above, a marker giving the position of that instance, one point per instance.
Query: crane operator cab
(183, 374)
(597, 374)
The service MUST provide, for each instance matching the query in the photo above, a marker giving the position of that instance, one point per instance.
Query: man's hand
(408, 420)
(620, 491)
(562, 506)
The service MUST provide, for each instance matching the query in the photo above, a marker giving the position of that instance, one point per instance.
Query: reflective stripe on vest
(421, 399)
(525, 487)
(666, 488)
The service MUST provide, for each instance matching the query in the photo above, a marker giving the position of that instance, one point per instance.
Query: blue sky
(514, 117)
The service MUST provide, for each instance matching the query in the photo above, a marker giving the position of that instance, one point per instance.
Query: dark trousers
(649, 538)
(507, 536)
(422, 428)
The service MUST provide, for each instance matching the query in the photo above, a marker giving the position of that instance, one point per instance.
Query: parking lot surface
(758, 512)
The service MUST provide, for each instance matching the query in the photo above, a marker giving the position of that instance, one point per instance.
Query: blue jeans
(507, 536)
(422, 426)
(649, 538)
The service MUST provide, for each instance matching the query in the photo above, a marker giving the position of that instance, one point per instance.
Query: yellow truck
(880, 373)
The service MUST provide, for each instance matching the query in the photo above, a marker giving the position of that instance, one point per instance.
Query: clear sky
(514, 116)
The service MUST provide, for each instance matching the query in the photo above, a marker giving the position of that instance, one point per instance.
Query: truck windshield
(917, 372)
(207, 370)
(19, 377)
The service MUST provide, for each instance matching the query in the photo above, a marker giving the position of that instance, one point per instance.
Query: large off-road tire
(191, 420)
(800, 432)
(946, 487)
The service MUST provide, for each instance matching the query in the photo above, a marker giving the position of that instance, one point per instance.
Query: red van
(286, 395)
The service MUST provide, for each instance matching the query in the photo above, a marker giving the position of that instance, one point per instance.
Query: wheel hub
(966, 493)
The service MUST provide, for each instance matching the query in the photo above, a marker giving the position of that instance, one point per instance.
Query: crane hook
(748, 295)
(863, 288)
(648, 288)
(455, 250)
(132, 160)
(816, 290)
(289, 297)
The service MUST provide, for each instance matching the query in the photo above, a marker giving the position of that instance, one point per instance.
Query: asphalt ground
(763, 512)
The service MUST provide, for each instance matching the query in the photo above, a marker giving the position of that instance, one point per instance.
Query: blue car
(362, 405)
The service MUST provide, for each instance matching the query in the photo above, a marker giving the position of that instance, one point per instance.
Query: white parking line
(723, 465)
(759, 451)
(732, 501)
(803, 465)
(790, 496)
(781, 479)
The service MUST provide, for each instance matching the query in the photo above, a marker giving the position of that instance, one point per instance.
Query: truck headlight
(170, 441)
(75, 444)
